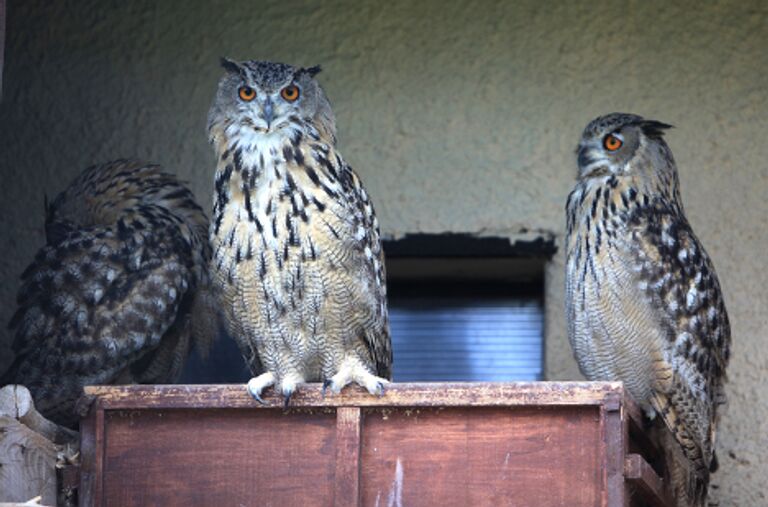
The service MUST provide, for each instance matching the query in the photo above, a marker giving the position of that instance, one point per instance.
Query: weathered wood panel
(219, 457)
(348, 440)
(520, 456)
(422, 394)
(27, 464)
(541, 443)
(32, 448)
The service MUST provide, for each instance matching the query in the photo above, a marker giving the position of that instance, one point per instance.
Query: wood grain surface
(423, 394)
(455, 444)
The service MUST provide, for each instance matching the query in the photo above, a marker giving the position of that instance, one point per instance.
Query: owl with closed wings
(644, 304)
(297, 258)
(120, 291)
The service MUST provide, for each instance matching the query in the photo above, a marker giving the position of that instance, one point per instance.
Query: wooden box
(459, 444)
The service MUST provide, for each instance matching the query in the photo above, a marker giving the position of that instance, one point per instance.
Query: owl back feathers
(679, 277)
(108, 298)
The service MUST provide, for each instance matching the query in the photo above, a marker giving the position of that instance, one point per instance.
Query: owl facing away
(110, 298)
(297, 258)
(643, 302)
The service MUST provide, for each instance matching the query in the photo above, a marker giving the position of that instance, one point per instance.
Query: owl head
(621, 144)
(259, 100)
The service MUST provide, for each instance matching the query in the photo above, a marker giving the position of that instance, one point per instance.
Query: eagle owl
(297, 258)
(644, 305)
(110, 297)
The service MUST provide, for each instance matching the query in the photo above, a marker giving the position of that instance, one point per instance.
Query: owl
(297, 258)
(643, 302)
(119, 292)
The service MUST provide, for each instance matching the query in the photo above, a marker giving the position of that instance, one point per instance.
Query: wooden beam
(34, 502)
(347, 478)
(541, 443)
(469, 394)
(92, 457)
(16, 402)
(27, 463)
(638, 472)
(28, 454)
(613, 442)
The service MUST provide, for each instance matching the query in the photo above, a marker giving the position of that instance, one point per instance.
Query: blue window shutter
(467, 339)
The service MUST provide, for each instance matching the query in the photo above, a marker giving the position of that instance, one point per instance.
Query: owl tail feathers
(687, 469)
(686, 483)
(205, 321)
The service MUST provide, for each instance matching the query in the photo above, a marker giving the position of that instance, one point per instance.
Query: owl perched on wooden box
(297, 257)
(118, 293)
(644, 304)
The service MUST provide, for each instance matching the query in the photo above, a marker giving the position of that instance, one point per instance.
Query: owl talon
(287, 399)
(326, 384)
(256, 385)
(256, 397)
(357, 373)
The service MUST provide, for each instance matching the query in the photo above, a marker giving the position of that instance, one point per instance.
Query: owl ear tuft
(230, 65)
(313, 71)
(654, 129)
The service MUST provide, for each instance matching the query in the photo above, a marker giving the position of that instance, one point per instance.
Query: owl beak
(268, 112)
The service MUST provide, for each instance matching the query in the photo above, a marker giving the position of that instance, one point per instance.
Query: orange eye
(290, 93)
(246, 93)
(612, 143)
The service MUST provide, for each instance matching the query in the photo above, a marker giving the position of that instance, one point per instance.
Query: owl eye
(246, 93)
(290, 93)
(612, 143)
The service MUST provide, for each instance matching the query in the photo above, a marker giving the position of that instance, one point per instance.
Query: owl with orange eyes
(643, 301)
(297, 257)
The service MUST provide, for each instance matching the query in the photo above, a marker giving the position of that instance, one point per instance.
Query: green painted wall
(459, 116)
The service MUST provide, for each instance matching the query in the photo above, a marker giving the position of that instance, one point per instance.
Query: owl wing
(370, 275)
(686, 297)
(93, 304)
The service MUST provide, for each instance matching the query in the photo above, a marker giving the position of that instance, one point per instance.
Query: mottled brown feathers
(296, 249)
(644, 305)
(108, 298)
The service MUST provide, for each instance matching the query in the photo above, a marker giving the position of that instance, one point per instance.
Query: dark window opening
(466, 331)
(466, 309)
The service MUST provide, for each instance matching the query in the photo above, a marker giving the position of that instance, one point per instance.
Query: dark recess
(467, 245)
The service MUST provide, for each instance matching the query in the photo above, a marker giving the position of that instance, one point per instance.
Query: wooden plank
(506, 394)
(16, 402)
(639, 473)
(639, 434)
(27, 463)
(195, 458)
(347, 477)
(484, 456)
(86, 492)
(92, 447)
(98, 456)
(34, 502)
(643, 445)
(451, 444)
(614, 443)
(31, 448)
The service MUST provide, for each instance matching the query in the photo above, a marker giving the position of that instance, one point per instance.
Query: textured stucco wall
(460, 116)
